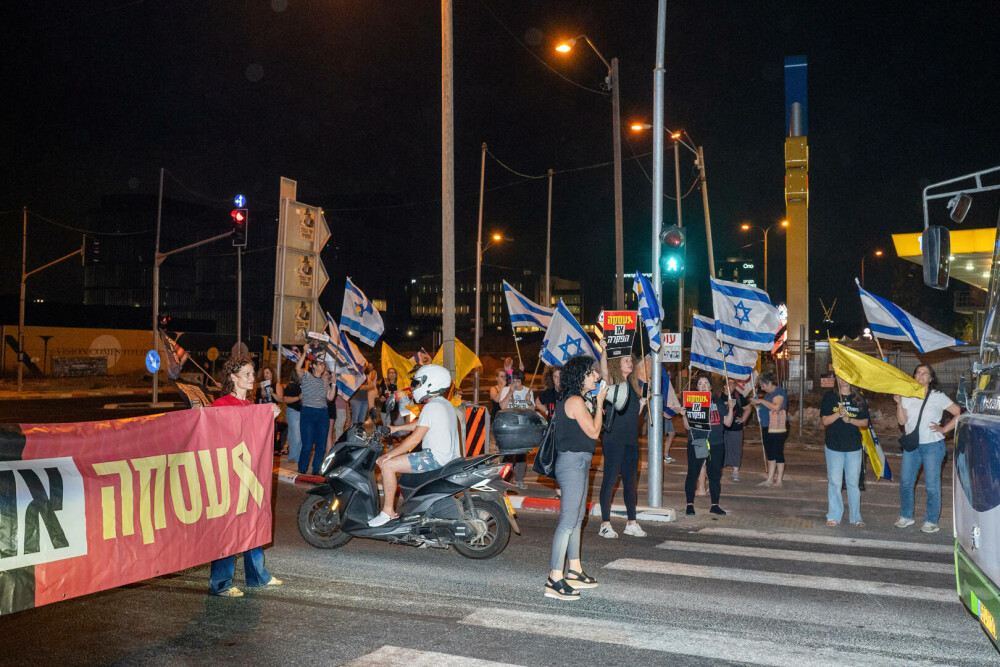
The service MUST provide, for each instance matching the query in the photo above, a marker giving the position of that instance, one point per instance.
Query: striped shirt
(313, 391)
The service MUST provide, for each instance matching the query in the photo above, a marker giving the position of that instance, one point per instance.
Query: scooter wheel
(497, 534)
(320, 526)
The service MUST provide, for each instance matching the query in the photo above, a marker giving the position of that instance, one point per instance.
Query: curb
(295, 477)
(658, 514)
(81, 393)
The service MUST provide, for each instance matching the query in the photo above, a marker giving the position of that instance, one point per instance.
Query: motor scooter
(463, 504)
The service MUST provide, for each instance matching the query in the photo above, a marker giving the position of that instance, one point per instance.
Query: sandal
(859, 524)
(560, 590)
(274, 581)
(831, 523)
(230, 593)
(580, 579)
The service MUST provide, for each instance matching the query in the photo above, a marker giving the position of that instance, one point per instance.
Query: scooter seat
(412, 480)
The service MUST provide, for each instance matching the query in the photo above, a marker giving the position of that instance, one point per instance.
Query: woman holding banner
(620, 443)
(707, 445)
(239, 376)
(844, 412)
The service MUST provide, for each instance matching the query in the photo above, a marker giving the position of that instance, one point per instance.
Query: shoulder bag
(777, 421)
(910, 441)
(545, 457)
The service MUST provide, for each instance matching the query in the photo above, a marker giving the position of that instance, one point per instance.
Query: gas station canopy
(971, 253)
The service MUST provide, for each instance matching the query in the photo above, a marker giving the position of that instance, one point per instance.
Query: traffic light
(240, 218)
(674, 252)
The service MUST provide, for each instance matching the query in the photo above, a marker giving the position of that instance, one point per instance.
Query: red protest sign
(698, 409)
(619, 332)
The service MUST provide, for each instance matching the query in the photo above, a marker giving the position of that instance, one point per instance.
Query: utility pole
(239, 297)
(704, 201)
(24, 279)
(156, 286)
(447, 189)
(619, 237)
(479, 271)
(680, 223)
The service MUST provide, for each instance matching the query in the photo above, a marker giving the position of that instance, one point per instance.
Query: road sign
(671, 347)
(212, 354)
(152, 361)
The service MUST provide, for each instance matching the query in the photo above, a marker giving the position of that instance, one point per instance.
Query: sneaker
(929, 527)
(560, 590)
(607, 531)
(717, 510)
(903, 522)
(635, 530)
(668, 459)
(736, 477)
(380, 520)
(690, 510)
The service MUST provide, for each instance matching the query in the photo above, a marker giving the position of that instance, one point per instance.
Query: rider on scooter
(436, 429)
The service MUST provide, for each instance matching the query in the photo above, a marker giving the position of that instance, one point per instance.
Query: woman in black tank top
(620, 445)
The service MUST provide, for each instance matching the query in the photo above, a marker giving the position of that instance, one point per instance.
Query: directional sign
(671, 347)
(240, 201)
(212, 353)
(152, 361)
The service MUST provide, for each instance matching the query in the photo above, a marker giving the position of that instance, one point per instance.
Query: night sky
(344, 97)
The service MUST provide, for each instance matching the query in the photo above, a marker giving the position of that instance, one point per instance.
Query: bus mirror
(962, 396)
(935, 245)
(959, 206)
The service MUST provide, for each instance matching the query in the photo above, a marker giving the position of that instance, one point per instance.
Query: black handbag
(545, 457)
(910, 441)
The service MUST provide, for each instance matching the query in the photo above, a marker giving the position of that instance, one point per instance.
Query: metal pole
(802, 373)
(548, 249)
(862, 271)
(680, 223)
(619, 240)
(765, 259)
(156, 285)
(654, 446)
(239, 297)
(20, 316)
(704, 201)
(479, 271)
(447, 189)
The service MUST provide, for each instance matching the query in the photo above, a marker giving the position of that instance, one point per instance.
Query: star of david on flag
(359, 317)
(744, 315)
(565, 338)
(707, 351)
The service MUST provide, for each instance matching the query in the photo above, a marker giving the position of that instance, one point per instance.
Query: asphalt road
(89, 408)
(744, 589)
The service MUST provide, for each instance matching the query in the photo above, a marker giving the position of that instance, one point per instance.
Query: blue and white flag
(650, 309)
(565, 339)
(708, 352)
(671, 406)
(359, 317)
(287, 353)
(523, 311)
(744, 315)
(350, 376)
(887, 320)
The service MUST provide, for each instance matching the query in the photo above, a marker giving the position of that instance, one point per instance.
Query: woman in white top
(517, 396)
(930, 453)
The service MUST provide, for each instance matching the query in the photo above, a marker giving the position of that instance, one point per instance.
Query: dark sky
(344, 97)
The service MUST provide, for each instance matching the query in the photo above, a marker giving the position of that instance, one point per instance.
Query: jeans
(839, 464)
(294, 435)
(573, 475)
(930, 455)
(223, 570)
(359, 410)
(620, 460)
(340, 424)
(314, 424)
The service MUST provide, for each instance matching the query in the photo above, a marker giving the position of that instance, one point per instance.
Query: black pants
(774, 446)
(620, 460)
(713, 465)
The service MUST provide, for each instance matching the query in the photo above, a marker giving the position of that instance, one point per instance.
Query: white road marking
(676, 640)
(394, 655)
(830, 539)
(809, 556)
(784, 579)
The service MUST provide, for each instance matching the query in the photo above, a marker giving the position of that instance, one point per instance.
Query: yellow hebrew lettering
(147, 496)
(124, 473)
(187, 461)
(218, 503)
(249, 484)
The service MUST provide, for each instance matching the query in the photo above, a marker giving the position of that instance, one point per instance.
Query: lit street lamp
(496, 237)
(877, 253)
(611, 82)
(747, 227)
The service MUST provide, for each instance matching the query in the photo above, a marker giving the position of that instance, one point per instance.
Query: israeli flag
(887, 320)
(523, 311)
(744, 315)
(650, 309)
(351, 375)
(287, 353)
(565, 339)
(708, 352)
(359, 317)
(671, 406)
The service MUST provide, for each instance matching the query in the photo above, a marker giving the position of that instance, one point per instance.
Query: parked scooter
(462, 504)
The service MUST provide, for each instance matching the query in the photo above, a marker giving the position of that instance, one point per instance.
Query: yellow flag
(874, 453)
(465, 361)
(403, 366)
(872, 374)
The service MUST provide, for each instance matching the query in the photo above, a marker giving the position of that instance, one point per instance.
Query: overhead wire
(88, 231)
(648, 178)
(193, 191)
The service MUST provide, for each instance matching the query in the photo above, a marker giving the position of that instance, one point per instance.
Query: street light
(877, 253)
(747, 227)
(611, 83)
(495, 237)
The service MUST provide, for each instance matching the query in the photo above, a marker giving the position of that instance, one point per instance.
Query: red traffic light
(672, 237)
(238, 215)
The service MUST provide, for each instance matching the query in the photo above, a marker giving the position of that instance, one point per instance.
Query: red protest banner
(95, 505)
(697, 409)
(619, 332)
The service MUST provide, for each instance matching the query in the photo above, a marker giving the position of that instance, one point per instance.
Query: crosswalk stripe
(394, 655)
(785, 579)
(676, 640)
(830, 539)
(809, 556)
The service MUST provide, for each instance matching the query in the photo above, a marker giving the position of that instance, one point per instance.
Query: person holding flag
(843, 413)
(716, 446)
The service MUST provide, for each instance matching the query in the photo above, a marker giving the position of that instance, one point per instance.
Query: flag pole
(516, 346)
(753, 388)
(649, 380)
(534, 374)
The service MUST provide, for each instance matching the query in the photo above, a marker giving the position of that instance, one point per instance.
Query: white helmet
(430, 380)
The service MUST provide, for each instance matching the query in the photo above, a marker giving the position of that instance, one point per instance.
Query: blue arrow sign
(152, 361)
(240, 201)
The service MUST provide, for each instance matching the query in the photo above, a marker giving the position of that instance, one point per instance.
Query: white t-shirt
(441, 439)
(524, 398)
(937, 403)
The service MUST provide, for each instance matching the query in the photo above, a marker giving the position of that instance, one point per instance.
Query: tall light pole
(447, 190)
(611, 82)
(480, 249)
(877, 253)
(783, 223)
